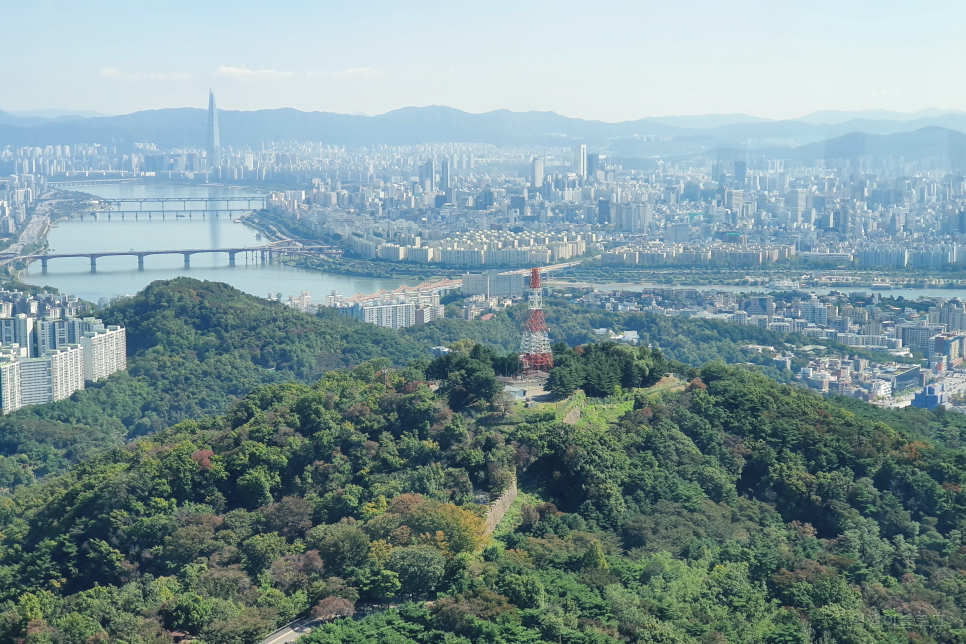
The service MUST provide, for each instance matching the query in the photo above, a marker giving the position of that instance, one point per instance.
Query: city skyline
(637, 59)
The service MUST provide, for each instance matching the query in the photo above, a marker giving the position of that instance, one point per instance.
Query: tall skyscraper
(214, 138)
(537, 173)
(741, 172)
(580, 161)
(427, 176)
(444, 174)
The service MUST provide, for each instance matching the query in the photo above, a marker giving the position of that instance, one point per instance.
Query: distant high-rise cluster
(633, 200)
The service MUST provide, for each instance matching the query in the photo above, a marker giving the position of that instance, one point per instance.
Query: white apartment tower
(394, 316)
(18, 330)
(69, 352)
(105, 352)
(10, 385)
(54, 376)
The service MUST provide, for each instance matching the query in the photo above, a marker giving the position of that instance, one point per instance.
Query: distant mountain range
(674, 135)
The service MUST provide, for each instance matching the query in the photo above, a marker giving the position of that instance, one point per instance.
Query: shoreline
(277, 229)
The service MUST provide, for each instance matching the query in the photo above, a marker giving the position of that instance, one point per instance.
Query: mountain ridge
(173, 128)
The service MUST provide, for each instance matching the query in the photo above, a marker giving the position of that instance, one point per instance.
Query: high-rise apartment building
(920, 337)
(105, 352)
(53, 333)
(394, 316)
(68, 352)
(9, 384)
(18, 330)
(53, 376)
(432, 313)
(815, 312)
(741, 172)
(635, 218)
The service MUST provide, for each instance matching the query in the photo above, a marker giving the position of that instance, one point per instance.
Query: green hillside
(734, 509)
(193, 348)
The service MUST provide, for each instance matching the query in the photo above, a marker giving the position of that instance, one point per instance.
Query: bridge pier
(187, 260)
(43, 266)
(140, 262)
(93, 264)
(231, 258)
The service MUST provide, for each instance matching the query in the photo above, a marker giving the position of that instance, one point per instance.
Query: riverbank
(118, 271)
(590, 272)
(279, 229)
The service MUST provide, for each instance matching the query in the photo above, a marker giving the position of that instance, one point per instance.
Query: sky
(606, 60)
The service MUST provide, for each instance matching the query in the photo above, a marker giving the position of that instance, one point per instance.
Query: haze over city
(611, 61)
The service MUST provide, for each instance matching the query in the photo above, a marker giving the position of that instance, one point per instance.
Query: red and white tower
(535, 353)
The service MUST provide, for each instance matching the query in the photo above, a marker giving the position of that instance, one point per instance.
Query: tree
(565, 379)
(465, 380)
(262, 549)
(291, 516)
(526, 591)
(503, 403)
(191, 611)
(379, 583)
(420, 568)
(255, 487)
(341, 545)
(333, 607)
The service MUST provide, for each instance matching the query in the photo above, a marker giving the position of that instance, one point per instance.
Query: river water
(121, 275)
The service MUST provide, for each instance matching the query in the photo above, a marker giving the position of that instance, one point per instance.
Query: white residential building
(53, 376)
(18, 330)
(105, 352)
(10, 384)
(394, 316)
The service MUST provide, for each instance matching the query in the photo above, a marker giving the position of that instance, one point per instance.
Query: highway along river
(121, 275)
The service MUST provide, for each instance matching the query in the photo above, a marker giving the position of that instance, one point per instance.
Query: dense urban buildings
(466, 205)
(46, 353)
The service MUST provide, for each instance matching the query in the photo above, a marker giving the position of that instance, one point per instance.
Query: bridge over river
(169, 205)
(289, 247)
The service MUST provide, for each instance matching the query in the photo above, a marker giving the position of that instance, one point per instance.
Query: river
(121, 275)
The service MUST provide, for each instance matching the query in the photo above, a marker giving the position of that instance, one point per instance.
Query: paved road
(35, 229)
(290, 632)
(303, 626)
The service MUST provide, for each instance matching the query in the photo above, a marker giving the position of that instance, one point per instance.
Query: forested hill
(211, 319)
(734, 509)
(193, 348)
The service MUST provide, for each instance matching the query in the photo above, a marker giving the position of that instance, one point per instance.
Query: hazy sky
(600, 60)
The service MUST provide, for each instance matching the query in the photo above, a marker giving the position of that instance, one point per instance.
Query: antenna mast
(535, 352)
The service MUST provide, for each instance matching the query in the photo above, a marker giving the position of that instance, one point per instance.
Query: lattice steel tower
(535, 352)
